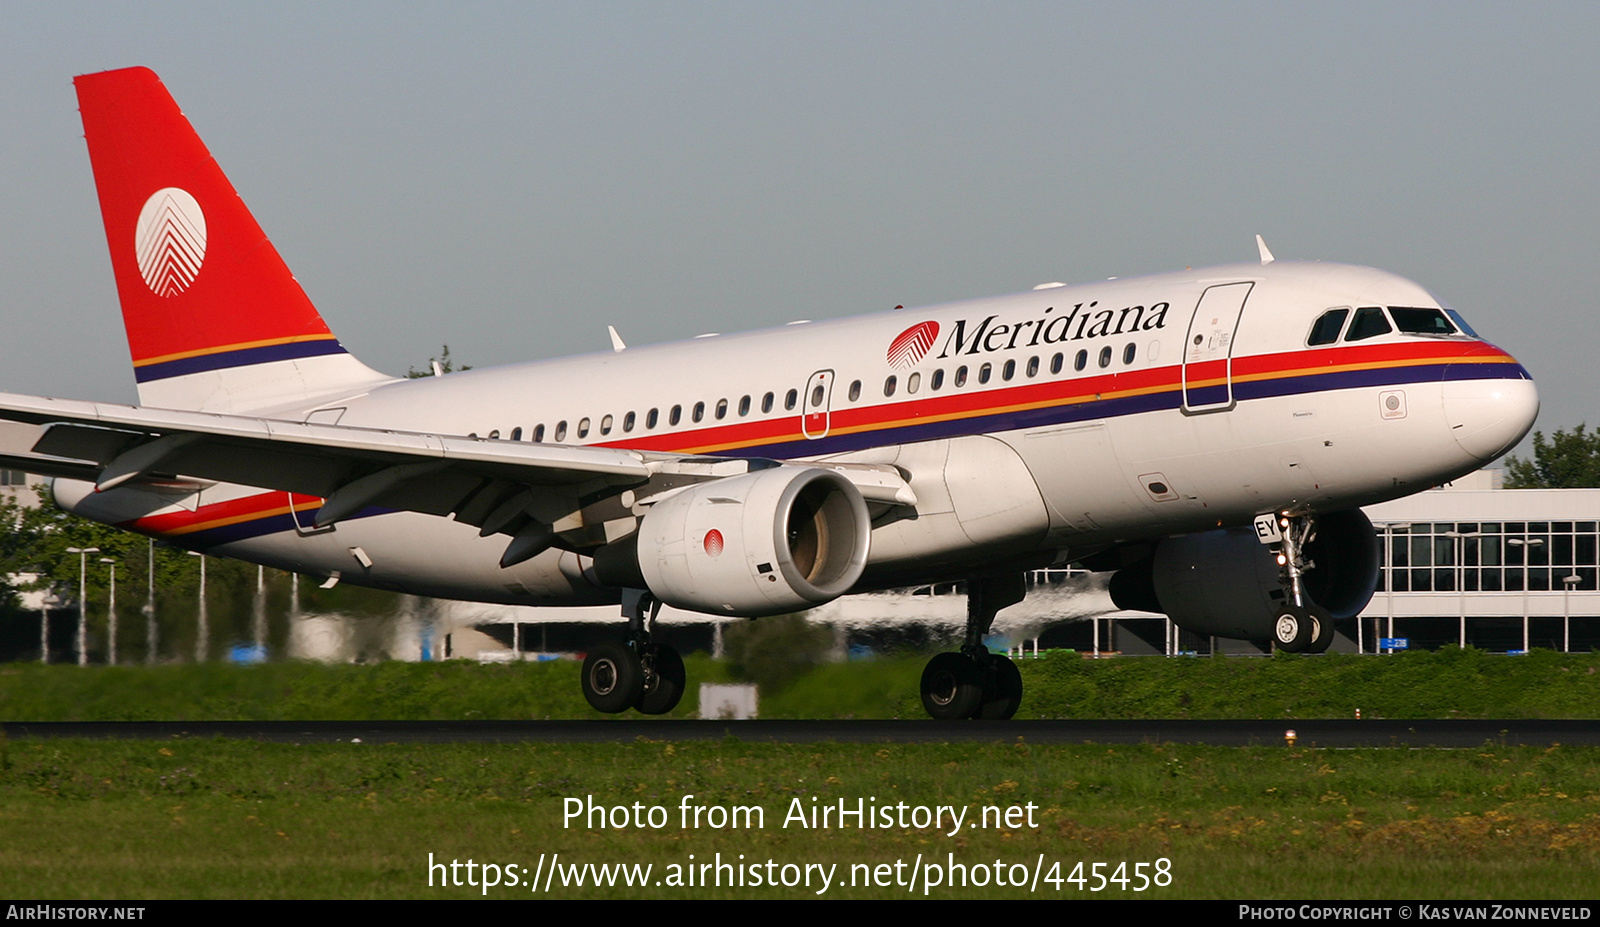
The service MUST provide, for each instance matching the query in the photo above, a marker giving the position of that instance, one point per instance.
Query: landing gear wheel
(1292, 629)
(664, 680)
(1322, 634)
(952, 688)
(612, 677)
(1002, 691)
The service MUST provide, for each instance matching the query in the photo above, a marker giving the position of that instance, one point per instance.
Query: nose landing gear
(1301, 626)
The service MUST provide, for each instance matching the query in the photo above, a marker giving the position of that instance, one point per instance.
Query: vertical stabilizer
(215, 320)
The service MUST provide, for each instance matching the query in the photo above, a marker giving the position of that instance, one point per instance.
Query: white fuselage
(1033, 428)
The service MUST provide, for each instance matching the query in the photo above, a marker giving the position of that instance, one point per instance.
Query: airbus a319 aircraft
(1209, 435)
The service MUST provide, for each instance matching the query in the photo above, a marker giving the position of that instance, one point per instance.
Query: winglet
(616, 339)
(1266, 256)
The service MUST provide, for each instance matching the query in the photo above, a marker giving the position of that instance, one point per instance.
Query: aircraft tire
(612, 677)
(952, 687)
(1002, 693)
(1322, 634)
(663, 683)
(1292, 629)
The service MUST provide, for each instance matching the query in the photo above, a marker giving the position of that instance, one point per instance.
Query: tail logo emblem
(911, 345)
(170, 241)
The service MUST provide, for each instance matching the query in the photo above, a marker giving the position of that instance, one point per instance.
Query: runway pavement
(1315, 733)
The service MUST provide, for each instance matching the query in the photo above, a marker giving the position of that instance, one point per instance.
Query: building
(1496, 569)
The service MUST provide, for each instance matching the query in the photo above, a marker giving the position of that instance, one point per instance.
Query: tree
(774, 652)
(1569, 460)
(446, 365)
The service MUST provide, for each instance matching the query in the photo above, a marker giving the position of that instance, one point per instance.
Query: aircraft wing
(572, 496)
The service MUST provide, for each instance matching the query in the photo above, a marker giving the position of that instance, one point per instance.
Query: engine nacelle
(1226, 582)
(765, 543)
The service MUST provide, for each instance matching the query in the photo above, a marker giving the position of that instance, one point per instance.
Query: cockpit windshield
(1461, 323)
(1421, 321)
(1372, 321)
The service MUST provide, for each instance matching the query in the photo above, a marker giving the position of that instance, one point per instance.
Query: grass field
(1444, 684)
(229, 819)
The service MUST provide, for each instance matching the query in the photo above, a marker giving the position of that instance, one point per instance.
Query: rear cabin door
(814, 404)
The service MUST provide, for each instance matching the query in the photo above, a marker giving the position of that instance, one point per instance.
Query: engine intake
(764, 543)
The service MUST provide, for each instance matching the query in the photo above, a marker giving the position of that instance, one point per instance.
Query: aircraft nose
(1488, 417)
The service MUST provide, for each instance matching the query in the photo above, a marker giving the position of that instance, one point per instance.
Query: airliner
(1207, 435)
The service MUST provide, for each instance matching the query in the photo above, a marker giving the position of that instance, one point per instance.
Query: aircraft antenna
(1266, 256)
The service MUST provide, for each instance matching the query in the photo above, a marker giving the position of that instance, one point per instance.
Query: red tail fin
(214, 317)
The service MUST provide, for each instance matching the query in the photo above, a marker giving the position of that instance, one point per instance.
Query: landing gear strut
(636, 673)
(975, 683)
(1301, 626)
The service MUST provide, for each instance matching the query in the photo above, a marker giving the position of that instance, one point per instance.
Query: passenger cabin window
(961, 377)
(605, 425)
(561, 432)
(583, 428)
(516, 433)
(855, 390)
(766, 403)
(722, 409)
(1081, 361)
(744, 406)
(1009, 370)
(650, 419)
(538, 434)
(888, 386)
(1105, 356)
(675, 415)
(984, 372)
(1370, 322)
(1421, 321)
(1056, 363)
(913, 382)
(937, 381)
(699, 411)
(790, 400)
(1033, 367)
(627, 422)
(1128, 353)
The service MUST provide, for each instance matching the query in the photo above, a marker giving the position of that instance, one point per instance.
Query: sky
(508, 179)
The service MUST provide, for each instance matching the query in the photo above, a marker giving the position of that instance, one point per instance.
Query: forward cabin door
(814, 405)
(1208, 348)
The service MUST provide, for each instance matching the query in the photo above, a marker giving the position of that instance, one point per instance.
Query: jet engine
(1227, 583)
(765, 543)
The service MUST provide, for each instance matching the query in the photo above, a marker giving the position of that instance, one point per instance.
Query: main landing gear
(975, 683)
(636, 673)
(1301, 626)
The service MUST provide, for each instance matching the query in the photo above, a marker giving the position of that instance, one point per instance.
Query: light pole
(1388, 565)
(150, 609)
(1568, 583)
(44, 626)
(111, 612)
(1528, 544)
(202, 644)
(1461, 577)
(83, 598)
(260, 609)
